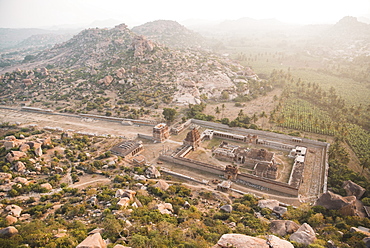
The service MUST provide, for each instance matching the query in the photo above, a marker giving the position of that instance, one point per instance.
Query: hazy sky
(41, 13)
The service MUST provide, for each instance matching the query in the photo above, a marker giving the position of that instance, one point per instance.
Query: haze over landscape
(137, 124)
(43, 13)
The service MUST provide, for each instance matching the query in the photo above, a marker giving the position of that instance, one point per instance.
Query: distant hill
(130, 64)
(12, 37)
(349, 28)
(241, 27)
(170, 33)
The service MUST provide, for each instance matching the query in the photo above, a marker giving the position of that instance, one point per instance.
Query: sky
(47, 13)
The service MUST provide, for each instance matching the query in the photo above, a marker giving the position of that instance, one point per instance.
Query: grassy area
(352, 92)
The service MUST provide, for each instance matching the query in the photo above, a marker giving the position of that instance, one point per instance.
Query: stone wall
(247, 179)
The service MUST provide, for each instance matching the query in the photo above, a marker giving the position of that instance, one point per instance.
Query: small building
(128, 149)
(161, 132)
(224, 185)
(192, 138)
(139, 160)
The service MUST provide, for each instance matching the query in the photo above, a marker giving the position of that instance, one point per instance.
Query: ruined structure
(192, 139)
(161, 132)
(261, 160)
(128, 149)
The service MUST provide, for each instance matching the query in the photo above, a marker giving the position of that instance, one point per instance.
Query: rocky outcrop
(141, 46)
(165, 208)
(330, 200)
(8, 232)
(15, 156)
(283, 227)
(268, 204)
(345, 205)
(152, 172)
(92, 241)
(19, 166)
(353, 189)
(244, 241)
(120, 193)
(304, 235)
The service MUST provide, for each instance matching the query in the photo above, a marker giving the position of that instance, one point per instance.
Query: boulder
(46, 186)
(283, 227)
(227, 208)
(123, 202)
(24, 147)
(165, 208)
(139, 178)
(367, 242)
(244, 241)
(21, 180)
(330, 200)
(278, 243)
(268, 204)
(15, 156)
(353, 189)
(280, 210)
(152, 172)
(10, 220)
(38, 151)
(96, 230)
(5, 176)
(162, 185)
(14, 210)
(121, 246)
(10, 138)
(121, 73)
(304, 235)
(25, 217)
(8, 232)
(9, 145)
(92, 241)
(106, 80)
(46, 141)
(186, 205)
(360, 229)
(19, 166)
(120, 193)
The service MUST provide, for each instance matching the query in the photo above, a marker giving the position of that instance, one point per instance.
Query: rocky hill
(170, 33)
(130, 65)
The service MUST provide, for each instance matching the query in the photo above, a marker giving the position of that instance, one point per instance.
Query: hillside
(170, 33)
(128, 65)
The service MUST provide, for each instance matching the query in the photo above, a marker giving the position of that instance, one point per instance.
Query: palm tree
(263, 115)
(217, 111)
(254, 118)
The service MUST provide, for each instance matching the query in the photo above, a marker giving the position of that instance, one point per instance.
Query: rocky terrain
(129, 65)
(171, 34)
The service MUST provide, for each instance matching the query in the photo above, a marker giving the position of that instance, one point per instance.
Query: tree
(217, 111)
(169, 114)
